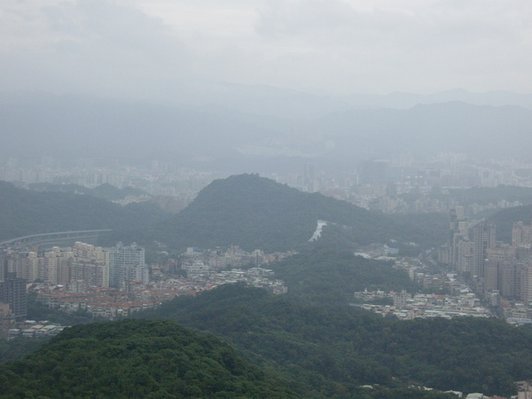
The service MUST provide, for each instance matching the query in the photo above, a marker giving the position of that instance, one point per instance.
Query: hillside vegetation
(137, 359)
(333, 349)
(255, 212)
(314, 336)
(25, 212)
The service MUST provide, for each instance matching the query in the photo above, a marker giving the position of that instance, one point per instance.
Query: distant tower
(3, 265)
(13, 292)
(483, 237)
(126, 264)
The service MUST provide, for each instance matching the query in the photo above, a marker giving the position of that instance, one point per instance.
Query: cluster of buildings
(113, 303)
(444, 294)
(78, 270)
(103, 303)
(80, 266)
(406, 306)
(493, 267)
(34, 329)
(197, 263)
(115, 282)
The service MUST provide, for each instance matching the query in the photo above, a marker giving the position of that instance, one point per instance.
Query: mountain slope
(24, 212)
(216, 135)
(137, 359)
(334, 349)
(255, 212)
(479, 131)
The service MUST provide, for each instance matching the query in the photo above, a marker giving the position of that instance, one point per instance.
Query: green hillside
(332, 349)
(137, 359)
(25, 212)
(256, 212)
(326, 276)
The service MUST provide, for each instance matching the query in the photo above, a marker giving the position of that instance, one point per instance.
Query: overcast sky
(149, 48)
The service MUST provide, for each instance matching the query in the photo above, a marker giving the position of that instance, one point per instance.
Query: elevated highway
(56, 238)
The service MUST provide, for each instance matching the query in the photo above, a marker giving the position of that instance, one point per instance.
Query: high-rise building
(500, 270)
(13, 292)
(464, 256)
(525, 281)
(3, 265)
(483, 238)
(521, 235)
(127, 264)
(459, 252)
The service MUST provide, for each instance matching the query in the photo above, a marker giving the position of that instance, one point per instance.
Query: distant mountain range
(255, 212)
(234, 137)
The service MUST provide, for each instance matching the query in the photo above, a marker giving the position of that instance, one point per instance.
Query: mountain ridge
(259, 213)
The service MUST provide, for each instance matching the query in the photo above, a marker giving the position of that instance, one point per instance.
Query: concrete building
(483, 237)
(525, 281)
(521, 235)
(500, 271)
(13, 293)
(127, 264)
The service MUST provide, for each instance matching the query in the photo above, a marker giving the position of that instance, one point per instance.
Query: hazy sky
(149, 48)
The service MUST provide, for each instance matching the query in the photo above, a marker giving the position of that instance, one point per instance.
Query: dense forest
(137, 359)
(159, 359)
(332, 348)
(326, 276)
(256, 212)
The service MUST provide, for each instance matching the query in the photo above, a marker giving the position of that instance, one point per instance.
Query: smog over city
(266, 199)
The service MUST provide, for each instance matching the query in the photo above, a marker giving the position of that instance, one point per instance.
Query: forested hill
(137, 359)
(255, 212)
(332, 350)
(24, 212)
(330, 276)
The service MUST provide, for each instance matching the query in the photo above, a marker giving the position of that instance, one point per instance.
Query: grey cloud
(126, 48)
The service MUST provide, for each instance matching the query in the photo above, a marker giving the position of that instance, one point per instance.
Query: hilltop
(256, 212)
(137, 359)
